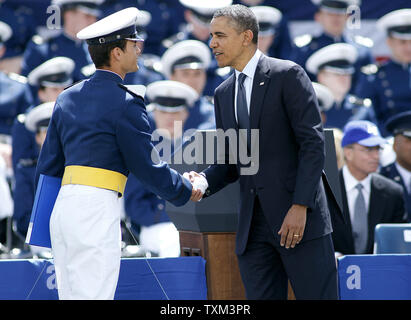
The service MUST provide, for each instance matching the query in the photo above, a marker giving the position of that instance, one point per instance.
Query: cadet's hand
(199, 184)
(292, 229)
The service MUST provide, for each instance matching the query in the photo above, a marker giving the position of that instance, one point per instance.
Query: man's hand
(292, 229)
(199, 184)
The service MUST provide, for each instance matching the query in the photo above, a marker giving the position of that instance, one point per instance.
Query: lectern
(207, 228)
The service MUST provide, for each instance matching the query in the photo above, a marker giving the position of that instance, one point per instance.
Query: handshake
(199, 184)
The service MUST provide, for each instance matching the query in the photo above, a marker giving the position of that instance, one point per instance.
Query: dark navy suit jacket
(291, 149)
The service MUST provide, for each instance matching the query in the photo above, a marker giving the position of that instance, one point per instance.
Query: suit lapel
(260, 85)
(346, 213)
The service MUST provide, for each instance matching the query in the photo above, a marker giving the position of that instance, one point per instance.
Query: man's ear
(248, 37)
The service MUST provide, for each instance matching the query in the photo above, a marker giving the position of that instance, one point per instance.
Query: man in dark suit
(400, 170)
(284, 223)
(368, 197)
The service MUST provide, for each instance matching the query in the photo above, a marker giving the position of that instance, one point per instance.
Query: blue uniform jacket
(389, 89)
(40, 50)
(351, 108)
(392, 173)
(97, 123)
(301, 54)
(15, 98)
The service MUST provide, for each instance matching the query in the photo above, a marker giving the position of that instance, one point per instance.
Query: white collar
(351, 182)
(405, 174)
(249, 69)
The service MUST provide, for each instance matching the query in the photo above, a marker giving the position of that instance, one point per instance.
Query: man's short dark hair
(100, 54)
(243, 18)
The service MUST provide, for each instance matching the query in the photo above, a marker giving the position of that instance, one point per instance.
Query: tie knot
(359, 187)
(241, 78)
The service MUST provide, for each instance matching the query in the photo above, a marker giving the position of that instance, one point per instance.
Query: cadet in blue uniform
(187, 62)
(15, 95)
(98, 133)
(400, 171)
(333, 66)
(75, 14)
(36, 122)
(146, 210)
(49, 79)
(325, 99)
(332, 16)
(198, 14)
(389, 84)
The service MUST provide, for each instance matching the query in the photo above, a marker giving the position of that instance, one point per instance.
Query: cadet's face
(264, 43)
(227, 43)
(362, 160)
(332, 23)
(78, 19)
(49, 93)
(194, 78)
(402, 148)
(130, 57)
(171, 122)
(339, 84)
(401, 49)
(41, 137)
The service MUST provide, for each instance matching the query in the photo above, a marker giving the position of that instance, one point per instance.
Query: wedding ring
(296, 235)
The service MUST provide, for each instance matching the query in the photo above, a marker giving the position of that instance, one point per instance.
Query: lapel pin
(261, 83)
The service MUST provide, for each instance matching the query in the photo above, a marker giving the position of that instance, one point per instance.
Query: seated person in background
(400, 171)
(333, 16)
(49, 80)
(368, 197)
(388, 84)
(333, 66)
(187, 62)
(146, 211)
(36, 121)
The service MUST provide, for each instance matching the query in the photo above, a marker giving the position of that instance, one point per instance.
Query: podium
(208, 228)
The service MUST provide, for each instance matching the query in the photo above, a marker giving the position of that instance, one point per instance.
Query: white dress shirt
(406, 177)
(352, 192)
(249, 71)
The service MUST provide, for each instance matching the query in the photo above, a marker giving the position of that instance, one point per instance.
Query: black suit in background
(291, 158)
(386, 206)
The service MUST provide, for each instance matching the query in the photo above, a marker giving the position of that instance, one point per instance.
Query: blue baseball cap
(362, 132)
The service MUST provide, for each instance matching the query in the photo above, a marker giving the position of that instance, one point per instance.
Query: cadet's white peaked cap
(5, 32)
(171, 96)
(206, 7)
(338, 57)
(39, 116)
(55, 72)
(268, 18)
(117, 26)
(324, 96)
(396, 24)
(186, 54)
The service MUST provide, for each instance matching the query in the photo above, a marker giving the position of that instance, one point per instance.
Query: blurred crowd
(40, 56)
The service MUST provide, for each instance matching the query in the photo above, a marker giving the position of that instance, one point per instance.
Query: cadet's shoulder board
(134, 93)
(364, 41)
(17, 77)
(303, 40)
(370, 69)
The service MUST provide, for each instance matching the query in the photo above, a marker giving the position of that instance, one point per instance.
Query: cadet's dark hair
(100, 53)
(243, 18)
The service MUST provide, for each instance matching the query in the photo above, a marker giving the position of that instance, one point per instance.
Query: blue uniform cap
(335, 6)
(171, 96)
(362, 132)
(117, 26)
(400, 124)
(56, 72)
(337, 57)
(39, 117)
(397, 24)
(268, 19)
